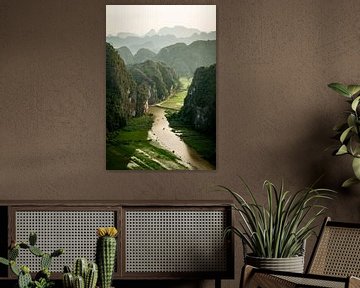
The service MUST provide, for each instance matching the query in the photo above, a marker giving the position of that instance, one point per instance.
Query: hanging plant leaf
(354, 145)
(351, 120)
(349, 182)
(353, 89)
(340, 88)
(355, 103)
(342, 150)
(345, 134)
(4, 261)
(356, 167)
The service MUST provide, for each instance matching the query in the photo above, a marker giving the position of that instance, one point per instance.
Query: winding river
(162, 134)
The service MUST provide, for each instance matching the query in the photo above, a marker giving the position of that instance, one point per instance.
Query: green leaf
(349, 182)
(354, 145)
(340, 88)
(342, 150)
(14, 268)
(4, 261)
(353, 89)
(355, 103)
(345, 134)
(356, 167)
(351, 120)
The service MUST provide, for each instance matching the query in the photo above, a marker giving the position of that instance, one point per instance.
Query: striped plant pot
(291, 264)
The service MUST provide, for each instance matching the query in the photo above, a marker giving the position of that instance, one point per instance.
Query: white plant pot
(291, 264)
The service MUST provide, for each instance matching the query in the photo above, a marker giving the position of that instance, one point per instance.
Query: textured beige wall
(275, 113)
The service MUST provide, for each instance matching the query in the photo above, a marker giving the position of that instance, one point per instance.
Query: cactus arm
(80, 267)
(79, 282)
(24, 280)
(13, 253)
(45, 261)
(36, 251)
(32, 239)
(67, 269)
(68, 280)
(91, 276)
(24, 245)
(14, 268)
(57, 252)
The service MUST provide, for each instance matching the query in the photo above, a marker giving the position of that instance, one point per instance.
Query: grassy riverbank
(130, 149)
(176, 100)
(204, 144)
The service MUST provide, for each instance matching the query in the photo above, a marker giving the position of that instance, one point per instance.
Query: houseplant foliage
(280, 228)
(42, 278)
(348, 132)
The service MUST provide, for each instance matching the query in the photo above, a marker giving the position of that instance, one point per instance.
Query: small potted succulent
(275, 233)
(42, 278)
(348, 132)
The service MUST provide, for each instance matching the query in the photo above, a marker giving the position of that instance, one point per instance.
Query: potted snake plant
(274, 234)
(348, 133)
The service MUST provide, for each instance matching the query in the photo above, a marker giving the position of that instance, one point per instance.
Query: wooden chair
(334, 263)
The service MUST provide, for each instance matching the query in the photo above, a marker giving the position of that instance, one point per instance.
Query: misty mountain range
(185, 59)
(155, 41)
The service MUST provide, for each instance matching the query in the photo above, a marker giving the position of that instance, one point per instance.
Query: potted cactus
(106, 254)
(84, 275)
(42, 278)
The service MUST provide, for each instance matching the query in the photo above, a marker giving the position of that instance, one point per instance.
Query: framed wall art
(161, 87)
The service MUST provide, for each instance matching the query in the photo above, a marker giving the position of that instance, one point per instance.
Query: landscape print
(160, 87)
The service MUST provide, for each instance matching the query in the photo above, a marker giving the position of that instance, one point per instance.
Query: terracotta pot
(291, 264)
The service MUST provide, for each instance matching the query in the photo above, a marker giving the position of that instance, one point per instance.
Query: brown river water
(162, 134)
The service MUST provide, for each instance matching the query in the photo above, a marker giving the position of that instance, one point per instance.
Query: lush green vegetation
(160, 79)
(185, 59)
(130, 148)
(176, 100)
(196, 120)
(143, 54)
(203, 143)
(126, 55)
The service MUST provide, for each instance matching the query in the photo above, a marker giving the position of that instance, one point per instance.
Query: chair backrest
(337, 251)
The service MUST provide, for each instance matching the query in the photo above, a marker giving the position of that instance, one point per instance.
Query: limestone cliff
(199, 108)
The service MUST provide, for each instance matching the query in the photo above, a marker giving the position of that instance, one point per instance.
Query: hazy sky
(139, 19)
